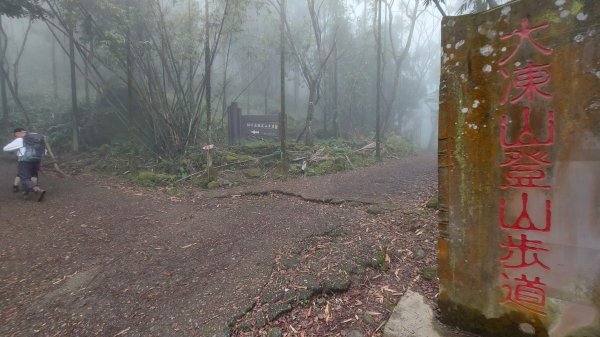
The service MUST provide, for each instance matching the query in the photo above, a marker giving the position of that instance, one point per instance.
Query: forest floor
(308, 256)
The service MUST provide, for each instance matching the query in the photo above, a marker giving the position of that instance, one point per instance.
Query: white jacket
(16, 144)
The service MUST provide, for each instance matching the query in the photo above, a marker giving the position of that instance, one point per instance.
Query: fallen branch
(54, 160)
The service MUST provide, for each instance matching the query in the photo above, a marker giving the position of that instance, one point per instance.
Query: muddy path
(97, 259)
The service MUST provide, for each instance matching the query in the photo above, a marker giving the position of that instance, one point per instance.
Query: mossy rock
(150, 179)
(234, 157)
(336, 282)
(275, 332)
(429, 273)
(277, 310)
(309, 282)
(379, 257)
(353, 269)
(260, 321)
(246, 308)
(304, 296)
(375, 210)
(245, 326)
(254, 173)
(272, 296)
(433, 203)
(212, 185)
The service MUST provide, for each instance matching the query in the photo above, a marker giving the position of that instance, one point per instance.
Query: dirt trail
(95, 260)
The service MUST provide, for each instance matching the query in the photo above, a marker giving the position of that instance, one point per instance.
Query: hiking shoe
(15, 188)
(41, 194)
(25, 195)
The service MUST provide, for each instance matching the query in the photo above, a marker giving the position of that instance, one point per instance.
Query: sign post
(245, 126)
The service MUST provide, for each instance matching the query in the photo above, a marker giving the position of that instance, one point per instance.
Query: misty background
(161, 73)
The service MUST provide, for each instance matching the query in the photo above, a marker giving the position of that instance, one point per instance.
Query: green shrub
(151, 179)
(398, 145)
(433, 203)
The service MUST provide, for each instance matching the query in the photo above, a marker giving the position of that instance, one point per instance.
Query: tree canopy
(21, 8)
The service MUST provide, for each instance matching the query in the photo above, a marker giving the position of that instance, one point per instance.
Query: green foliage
(397, 145)
(433, 203)
(151, 179)
(21, 8)
(255, 159)
(429, 273)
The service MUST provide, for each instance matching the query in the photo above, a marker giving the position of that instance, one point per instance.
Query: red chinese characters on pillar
(520, 251)
(524, 222)
(526, 138)
(527, 294)
(529, 81)
(524, 35)
(525, 167)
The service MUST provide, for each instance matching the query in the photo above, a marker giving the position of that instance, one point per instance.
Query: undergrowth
(253, 159)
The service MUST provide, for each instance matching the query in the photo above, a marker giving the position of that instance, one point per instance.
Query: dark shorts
(26, 170)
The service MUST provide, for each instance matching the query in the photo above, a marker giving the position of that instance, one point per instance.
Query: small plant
(433, 203)
(304, 302)
(429, 273)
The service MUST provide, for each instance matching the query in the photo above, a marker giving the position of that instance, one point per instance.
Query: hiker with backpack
(31, 148)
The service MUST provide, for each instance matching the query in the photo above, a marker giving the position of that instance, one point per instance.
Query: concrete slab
(412, 317)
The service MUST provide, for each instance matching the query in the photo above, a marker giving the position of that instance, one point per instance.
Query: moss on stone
(475, 321)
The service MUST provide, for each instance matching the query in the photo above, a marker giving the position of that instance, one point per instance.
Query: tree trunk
(207, 70)
(282, 113)
(266, 94)
(3, 77)
(129, 79)
(335, 122)
(437, 4)
(86, 74)
(378, 100)
(75, 112)
(312, 96)
(224, 101)
(54, 72)
(3, 95)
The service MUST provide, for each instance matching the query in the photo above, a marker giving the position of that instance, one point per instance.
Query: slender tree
(3, 76)
(207, 71)
(312, 68)
(282, 112)
(74, 106)
(378, 99)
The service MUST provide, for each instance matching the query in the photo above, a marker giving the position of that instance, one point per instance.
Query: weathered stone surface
(275, 332)
(355, 333)
(260, 321)
(519, 170)
(277, 310)
(272, 296)
(336, 282)
(289, 261)
(245, 326)
(309, 282)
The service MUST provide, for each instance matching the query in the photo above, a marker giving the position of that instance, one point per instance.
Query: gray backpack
(35, 147)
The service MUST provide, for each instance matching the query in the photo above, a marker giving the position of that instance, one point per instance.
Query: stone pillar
(519, 170)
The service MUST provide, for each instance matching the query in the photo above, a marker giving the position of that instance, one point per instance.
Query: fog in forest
(141, 66)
